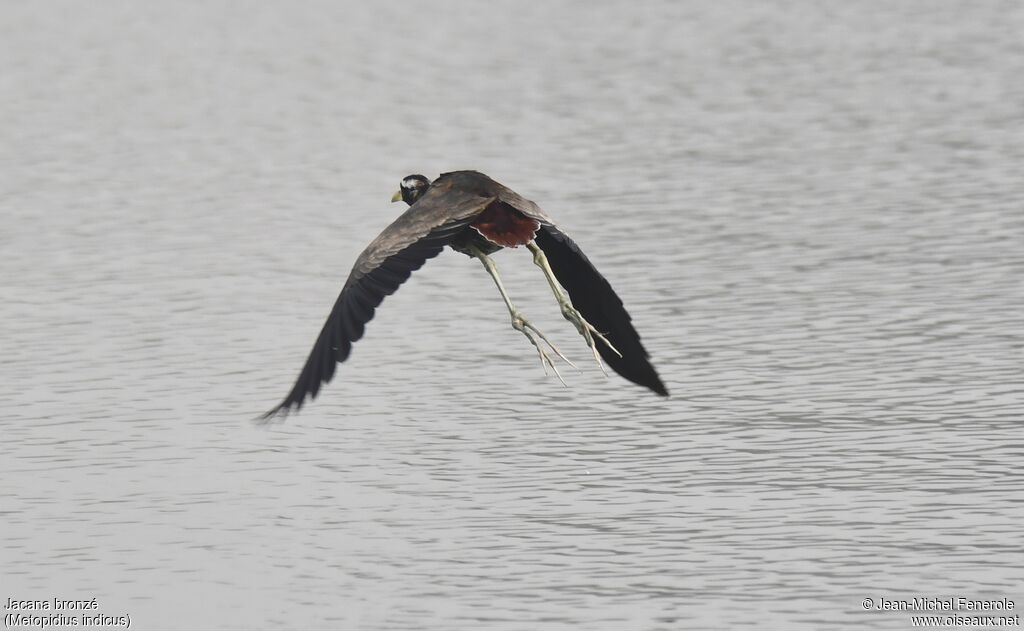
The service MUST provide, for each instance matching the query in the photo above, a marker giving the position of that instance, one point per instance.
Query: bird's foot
(587, 330)
(532, 333)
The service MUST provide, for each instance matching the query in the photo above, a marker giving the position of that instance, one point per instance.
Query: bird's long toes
(570, 313)
(601, 337)
(593, 349)
(544, 359)
(536, 336)
(587, 330)
(557, 351)
(531, 332)
(555, 368)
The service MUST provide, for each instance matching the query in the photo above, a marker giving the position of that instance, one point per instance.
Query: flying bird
(477, 216)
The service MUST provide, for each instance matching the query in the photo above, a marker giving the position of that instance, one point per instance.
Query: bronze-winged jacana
(476, 216)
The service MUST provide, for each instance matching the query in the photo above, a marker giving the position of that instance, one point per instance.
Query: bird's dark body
(466, 210)
(470, 238)
(497, 226)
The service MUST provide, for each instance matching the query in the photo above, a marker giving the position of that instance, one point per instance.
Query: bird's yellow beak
(397, 197)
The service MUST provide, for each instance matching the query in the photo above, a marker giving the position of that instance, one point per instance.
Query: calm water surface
(812, 210)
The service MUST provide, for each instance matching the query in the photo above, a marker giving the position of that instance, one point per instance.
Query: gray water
(813, 211)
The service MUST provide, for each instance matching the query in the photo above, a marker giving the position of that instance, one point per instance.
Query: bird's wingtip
(277, 414)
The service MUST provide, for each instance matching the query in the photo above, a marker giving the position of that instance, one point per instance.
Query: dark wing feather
(417, 235)
(484, 185)
(601, 306)
(522, 204)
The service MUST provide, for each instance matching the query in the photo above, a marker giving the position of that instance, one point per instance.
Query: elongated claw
(530, 326)
(535, 336)
(587, 330)
(545, 359)
(593, 348)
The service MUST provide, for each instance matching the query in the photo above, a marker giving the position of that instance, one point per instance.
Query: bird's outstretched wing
(594, 297)
(420, 233)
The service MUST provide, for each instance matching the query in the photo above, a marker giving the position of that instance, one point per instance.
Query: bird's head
(412, 187)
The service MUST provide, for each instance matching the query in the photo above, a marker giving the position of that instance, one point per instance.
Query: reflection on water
(812, 213)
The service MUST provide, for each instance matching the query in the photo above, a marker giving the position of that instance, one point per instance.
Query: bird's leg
(520, 323)
(570, 312)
